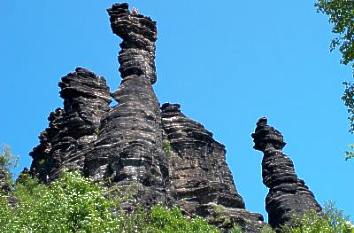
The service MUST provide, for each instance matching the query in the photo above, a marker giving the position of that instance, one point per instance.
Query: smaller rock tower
(74, 128)
(288, 195)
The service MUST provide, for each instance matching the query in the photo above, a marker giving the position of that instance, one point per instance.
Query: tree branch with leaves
(341, 16)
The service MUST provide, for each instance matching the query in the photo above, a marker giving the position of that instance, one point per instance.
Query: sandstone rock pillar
(200, 179)
(73, 129)
(288, 195)
(129, 151)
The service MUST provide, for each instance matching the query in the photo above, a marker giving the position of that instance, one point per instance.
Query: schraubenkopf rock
(155, 150)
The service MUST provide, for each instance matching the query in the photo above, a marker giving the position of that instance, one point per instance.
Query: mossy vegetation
(167, 147)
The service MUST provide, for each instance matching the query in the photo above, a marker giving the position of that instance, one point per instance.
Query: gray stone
(5, 186)
(74, 128)
(288, 195)
(128, 150)
(153, 154)
(201, 181)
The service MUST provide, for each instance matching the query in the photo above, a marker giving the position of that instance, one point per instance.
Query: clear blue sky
(226, 62)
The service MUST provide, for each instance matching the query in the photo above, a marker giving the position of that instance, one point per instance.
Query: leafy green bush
(7, 161)
(350, 153)
(236, 229)
(164, 220)
(76, 204)
(167, 147)
(330, 221)
(267, 229)
(70, 204)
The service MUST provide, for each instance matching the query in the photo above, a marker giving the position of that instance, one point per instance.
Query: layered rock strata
(129, 148)
(149, 154)
(200, 179)
(288, 195)
(73, 129)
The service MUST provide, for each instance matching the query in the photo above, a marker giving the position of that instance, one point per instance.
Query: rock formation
(157, 155)
(129, 146)
(288, 195)
(201, 182)
(71, 130)
(5, 187)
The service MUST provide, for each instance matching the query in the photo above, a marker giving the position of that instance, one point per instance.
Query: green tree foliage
(8, 161)
(350, 154)
(76, 204)
(330, 221)
(167, 147)
(163, 220)
(267, 229)
(71, 204)
(341, 16)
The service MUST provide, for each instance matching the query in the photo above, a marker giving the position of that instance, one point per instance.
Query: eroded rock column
(129, 151)
(73, 129)
(288, 195)
(201, 181)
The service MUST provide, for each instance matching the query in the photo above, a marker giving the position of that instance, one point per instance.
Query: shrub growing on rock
(76, 204)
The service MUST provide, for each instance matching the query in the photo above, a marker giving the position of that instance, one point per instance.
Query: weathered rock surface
(201, 182)
(157, 155)
(128, 150)
(288, 195)
(71, 130)
(5, 187)
(153, 155)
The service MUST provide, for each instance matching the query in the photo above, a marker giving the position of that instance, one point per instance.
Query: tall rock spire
(288, 195)
(201, 181)
(74, 128)
(139, 34)
(129, 147)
